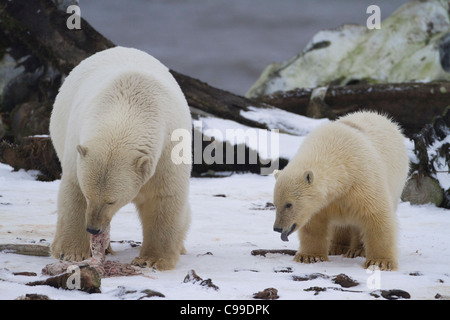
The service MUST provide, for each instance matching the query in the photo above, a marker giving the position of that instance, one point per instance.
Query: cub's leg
(340, 240)
(356, 248)
(379, 236)
(313, 241)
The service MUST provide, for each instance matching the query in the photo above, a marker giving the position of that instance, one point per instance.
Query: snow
(223, 233)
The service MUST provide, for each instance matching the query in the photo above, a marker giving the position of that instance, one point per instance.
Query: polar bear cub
(342, 188)
(111, 126)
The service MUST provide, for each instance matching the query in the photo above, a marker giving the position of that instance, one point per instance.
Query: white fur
(348, 174)
(111, 126)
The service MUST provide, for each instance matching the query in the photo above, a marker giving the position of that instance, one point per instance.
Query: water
(224, 43)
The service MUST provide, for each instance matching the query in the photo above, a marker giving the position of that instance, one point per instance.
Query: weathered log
(26, 249)
(263, 252)
(84, 278)
(216, 102)
(413, 105)
(36, 33)
(41, 28)
(33, 153)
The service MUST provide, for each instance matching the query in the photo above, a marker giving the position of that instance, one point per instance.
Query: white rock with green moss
(413, 44)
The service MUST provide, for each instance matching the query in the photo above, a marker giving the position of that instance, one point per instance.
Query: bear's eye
(110, 203)
(288, 205)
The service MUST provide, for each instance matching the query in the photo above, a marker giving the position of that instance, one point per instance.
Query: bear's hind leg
(356, 248)
(340, 240)
(71, 241)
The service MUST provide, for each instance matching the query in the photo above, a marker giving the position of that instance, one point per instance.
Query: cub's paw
(153, 262)
(355, 252)
(381, 264)
(308, 258)
(337, 249)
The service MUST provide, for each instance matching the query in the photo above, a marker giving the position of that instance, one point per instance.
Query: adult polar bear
(111, 127)
(348, 174)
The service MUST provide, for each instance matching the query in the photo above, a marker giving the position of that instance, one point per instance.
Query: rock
(266, 294)
(33, 296)
(422, 190)
(148, 293)
(392, 294)
(345, 281)
(346, 55)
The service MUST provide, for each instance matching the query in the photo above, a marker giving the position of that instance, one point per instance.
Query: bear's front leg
(380, 244)
(164, 233)
(71, 241)
(313, 241)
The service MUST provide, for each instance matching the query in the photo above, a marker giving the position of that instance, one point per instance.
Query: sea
(226, 43)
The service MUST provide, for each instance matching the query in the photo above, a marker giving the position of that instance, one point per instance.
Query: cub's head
(109, 180)
(296, 198)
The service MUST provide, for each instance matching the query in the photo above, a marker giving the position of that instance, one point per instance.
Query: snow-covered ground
(229, 220)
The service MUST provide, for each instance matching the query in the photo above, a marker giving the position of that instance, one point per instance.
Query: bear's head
(109, 180)
(297, 197)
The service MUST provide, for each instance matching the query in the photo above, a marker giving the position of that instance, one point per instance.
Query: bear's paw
(153, 262)
(309, 258)
(381, 264)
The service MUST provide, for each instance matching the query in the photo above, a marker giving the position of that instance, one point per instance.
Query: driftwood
(413, 105)
(84, 278)
(27, 249)
(35, 35)
(46, 36)
(263, 252)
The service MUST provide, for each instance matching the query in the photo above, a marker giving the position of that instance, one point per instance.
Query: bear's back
(95, 76)
(388, 141)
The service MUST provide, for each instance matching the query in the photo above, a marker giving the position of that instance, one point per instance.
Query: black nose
(277, 229)
(93, 231)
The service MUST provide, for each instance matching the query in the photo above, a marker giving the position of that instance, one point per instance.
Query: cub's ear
(308, 176)
(82, 150)
(142, 166)
(276, 173)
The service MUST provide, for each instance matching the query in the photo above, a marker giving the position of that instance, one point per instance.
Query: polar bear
(342, 188)
(111, 127)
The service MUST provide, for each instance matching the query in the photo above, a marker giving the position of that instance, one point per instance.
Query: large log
(413, 105)
(39, 28)
(35, 34)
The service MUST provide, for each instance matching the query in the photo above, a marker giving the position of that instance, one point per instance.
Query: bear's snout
(93, 231)
(276, 229)
(285, 233)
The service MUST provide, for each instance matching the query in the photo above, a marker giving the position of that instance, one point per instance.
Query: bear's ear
(308, 176)
(82, 150)
(142, 166)
(276, 172)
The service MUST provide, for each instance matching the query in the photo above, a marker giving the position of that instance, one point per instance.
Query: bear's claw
(307, 258)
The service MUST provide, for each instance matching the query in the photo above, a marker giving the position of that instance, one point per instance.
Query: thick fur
(342, 188)
(111, 127)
